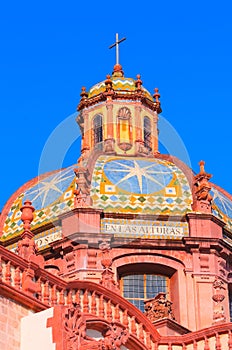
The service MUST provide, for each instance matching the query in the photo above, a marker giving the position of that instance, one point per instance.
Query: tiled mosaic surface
(119, 84)
(50, 197)
(139, 185)
(222, 207)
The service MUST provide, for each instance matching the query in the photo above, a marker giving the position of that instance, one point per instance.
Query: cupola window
(147, 133)
(97, 130)
(138, 288)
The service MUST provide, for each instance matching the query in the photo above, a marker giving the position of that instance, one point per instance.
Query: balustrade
(42, 289)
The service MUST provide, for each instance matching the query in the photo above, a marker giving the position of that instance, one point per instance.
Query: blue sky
(49, 50)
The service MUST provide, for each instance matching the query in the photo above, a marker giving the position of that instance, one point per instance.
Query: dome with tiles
(119, 185)
(222, 205)
(118, 87)
(126, 175)
(151, 186)
(119, 83)
(140, 186)
(51, 195)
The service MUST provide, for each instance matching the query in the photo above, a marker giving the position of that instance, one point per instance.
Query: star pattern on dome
(50, 189)
(137, 175)
(223, 203)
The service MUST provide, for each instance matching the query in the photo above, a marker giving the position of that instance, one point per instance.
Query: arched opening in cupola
(97, 130)
(147, 133)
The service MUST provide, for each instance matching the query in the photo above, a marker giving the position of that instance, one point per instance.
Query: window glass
(97, 130)
(147, 133)
(137, 288)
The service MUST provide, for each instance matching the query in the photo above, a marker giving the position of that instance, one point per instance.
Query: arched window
(136, 288)
(97, 129)
(147, 133)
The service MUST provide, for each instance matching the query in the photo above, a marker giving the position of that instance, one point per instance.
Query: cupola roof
(119, 87)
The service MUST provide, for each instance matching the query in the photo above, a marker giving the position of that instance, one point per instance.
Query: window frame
(145, 291)
(147, 133)
(97, 129)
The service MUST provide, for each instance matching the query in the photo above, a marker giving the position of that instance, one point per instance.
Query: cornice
(205, 216)
(116, 95)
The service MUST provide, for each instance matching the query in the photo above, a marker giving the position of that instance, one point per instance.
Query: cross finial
(117, 42)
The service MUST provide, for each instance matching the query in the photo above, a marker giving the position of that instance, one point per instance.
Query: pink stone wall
(10, 316)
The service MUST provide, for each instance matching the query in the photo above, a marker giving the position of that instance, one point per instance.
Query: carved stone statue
(158, 308)
(218, 297)
(107, 280)
(202, 187)
(82, 192)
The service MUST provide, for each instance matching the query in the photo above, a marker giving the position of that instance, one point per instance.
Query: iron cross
(117, 42)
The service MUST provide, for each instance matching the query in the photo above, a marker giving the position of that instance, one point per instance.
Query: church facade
(127, 249)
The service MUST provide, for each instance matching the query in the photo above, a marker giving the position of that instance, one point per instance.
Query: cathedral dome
(120, 171)
(142, 186)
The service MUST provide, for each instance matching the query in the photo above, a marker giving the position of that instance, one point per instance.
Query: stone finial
(138, 82)
(202, 187)
(202, 167)
(27, 215)
(118, 72)
(84, 99)
(26, 245)
(156, 95)
(83, 93)
(202, 170)
(108, 83)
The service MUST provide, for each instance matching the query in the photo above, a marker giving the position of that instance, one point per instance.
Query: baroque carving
(114, 335)
(158, 308)
(75, 327)
(109, 146)
(107, 279)
(124, 113)
(202, 188)
(218, 297)
(141, 150)
(82, 192)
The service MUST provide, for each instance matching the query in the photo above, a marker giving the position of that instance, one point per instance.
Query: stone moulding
(96, 301)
